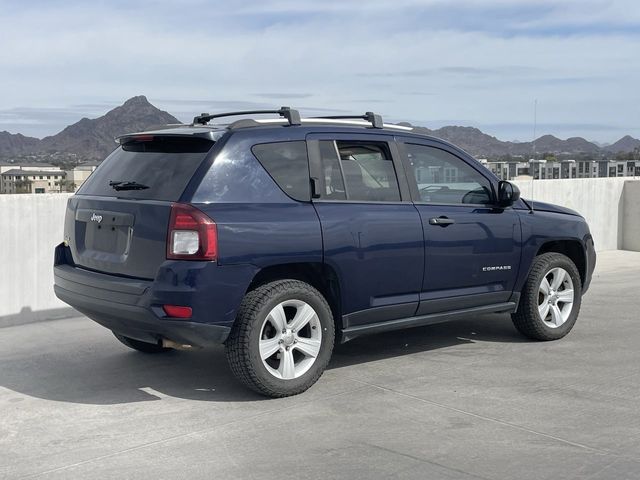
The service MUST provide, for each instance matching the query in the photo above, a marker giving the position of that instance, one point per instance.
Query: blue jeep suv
(279, 236)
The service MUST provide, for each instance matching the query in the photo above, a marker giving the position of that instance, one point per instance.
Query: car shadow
(485, 328)
(107, 373)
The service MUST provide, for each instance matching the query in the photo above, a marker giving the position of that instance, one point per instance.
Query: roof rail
(247, 122)
(373, 118)
(292, 116)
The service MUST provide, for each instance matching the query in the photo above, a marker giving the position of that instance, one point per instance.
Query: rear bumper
(133, 307)
(139, 322)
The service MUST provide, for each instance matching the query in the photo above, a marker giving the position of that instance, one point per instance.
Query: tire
(265, 327)
(534, 302)
(143, 347)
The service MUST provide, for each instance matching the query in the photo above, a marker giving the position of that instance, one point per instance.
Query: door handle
(441, 221)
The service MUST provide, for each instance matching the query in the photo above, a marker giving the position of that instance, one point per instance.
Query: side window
(358, 171)
(287, 164)
(444, 178)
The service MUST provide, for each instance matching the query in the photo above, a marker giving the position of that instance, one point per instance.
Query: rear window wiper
(122, 185)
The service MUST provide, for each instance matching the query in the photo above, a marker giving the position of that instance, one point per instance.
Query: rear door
(372, 234)
(117, 221)
(472, 248)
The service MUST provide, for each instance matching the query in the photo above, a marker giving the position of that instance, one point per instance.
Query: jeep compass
(279, 237)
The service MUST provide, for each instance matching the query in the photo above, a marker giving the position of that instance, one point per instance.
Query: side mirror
(508, 193)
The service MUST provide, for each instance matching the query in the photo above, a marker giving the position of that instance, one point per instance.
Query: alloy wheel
(290, 339)
(555, 297)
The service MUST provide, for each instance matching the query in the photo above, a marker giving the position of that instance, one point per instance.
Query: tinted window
(163, 165)
(287, 163)
(444, 178)
(359, 171)
(333, 185)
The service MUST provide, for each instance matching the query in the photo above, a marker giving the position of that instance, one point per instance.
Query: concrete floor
(463, 400)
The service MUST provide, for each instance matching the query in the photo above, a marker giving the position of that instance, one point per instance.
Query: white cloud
(480, 63)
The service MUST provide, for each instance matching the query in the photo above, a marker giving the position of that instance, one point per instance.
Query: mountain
(549, 143)
(480, 144)
(625, 144)
(93, 138)
(14, 144)
(471, 139)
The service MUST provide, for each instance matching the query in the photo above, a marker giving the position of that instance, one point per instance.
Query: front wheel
(550, 300)
(282, 339)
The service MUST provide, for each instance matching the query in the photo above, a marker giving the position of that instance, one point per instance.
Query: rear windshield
(159, 169)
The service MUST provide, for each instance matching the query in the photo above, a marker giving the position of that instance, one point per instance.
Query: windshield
(156, 169)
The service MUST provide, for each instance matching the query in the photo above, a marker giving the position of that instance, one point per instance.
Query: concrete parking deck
(470, 399)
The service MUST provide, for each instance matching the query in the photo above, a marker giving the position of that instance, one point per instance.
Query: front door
(371, 231)
(472, 248)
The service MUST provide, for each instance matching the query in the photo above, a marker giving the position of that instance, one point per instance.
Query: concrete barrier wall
(599, 200)
(30, 227)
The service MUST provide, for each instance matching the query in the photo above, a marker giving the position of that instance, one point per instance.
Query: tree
(65, 185)
(23, 186)
(627, 155)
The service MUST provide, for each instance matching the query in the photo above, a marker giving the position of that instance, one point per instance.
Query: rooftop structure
(5, 166)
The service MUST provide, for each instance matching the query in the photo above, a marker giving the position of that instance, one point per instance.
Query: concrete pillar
(631, 216)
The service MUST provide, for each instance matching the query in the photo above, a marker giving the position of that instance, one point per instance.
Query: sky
(430, 62)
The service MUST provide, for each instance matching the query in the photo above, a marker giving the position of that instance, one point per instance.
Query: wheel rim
(555, 297)
(290, 339)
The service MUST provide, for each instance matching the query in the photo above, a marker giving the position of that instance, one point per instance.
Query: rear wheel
(282, 339)
(141, 346)
(550, 300)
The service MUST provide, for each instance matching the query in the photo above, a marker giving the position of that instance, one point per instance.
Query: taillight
(192, 235)
(143, 138)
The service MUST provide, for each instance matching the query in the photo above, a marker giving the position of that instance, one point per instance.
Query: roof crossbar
(292, 116)
(373, 118)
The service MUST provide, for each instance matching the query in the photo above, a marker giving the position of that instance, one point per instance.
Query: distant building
(42, 177)
(28, 179)
(623, 168)
(549, 169)
(77, 175)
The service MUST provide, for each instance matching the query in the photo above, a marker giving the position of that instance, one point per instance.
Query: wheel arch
(571, 248)
(319, 275)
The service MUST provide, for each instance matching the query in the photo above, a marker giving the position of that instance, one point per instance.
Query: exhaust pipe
(166, 343)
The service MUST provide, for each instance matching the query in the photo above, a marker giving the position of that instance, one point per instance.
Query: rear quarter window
(161, 167)
(287, 164)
